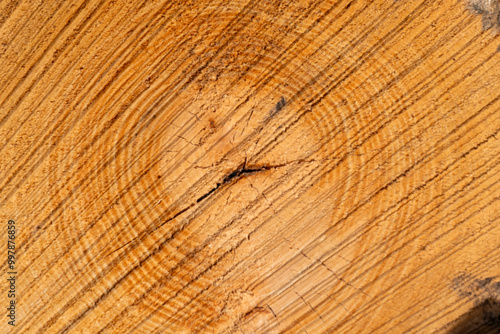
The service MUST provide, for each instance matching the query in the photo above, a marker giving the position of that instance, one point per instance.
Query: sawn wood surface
(220, 166)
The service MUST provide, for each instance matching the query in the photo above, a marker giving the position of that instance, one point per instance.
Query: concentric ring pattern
(248, 166)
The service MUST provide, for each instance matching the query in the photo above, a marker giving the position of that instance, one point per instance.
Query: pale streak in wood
(376, 186)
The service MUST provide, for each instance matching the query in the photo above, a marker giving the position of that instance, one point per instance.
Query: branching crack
(267, 167)
(241, 171)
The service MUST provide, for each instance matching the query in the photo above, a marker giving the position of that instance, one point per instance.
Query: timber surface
(250, 166)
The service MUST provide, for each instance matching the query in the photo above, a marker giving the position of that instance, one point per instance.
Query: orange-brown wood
(221, 166)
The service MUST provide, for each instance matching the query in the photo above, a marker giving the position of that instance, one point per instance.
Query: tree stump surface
(295, 166)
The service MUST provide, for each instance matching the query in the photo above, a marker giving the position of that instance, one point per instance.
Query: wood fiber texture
(218, 166)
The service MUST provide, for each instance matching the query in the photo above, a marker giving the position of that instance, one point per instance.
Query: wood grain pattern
(219, 166)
